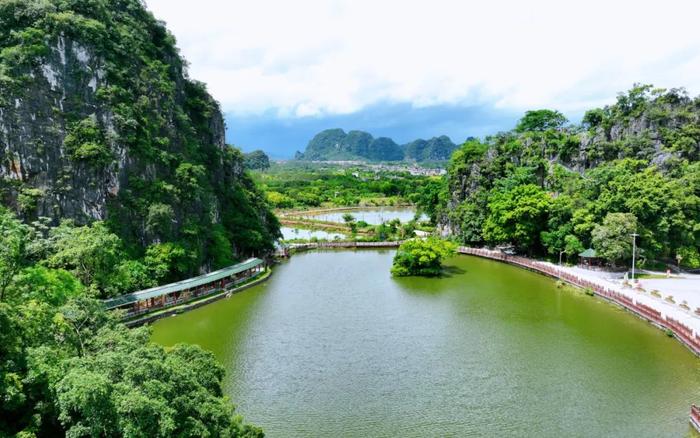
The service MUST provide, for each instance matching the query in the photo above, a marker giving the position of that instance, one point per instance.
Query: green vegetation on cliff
(335, 144)
(256, 160)
(547, 187)
(114, 176)
(99, 121)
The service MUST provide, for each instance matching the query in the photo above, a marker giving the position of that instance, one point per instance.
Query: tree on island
(421, 257)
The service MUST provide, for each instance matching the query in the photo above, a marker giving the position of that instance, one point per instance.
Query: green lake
(333, 346)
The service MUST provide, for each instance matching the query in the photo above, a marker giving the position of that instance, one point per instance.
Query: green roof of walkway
(181, 285)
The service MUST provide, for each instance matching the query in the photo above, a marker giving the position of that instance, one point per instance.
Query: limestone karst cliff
(100, 121)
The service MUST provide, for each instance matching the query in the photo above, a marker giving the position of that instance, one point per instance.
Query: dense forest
(336, 144)
(548, 186)
(114, 176)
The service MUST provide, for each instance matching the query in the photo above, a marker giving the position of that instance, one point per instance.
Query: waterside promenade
(683, 322)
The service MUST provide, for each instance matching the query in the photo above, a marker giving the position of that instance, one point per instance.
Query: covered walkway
(172, 294)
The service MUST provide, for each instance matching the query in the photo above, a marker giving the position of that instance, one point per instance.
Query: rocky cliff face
(99, 121)
(41, 176)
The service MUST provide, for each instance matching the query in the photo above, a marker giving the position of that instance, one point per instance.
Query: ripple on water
(332, 345)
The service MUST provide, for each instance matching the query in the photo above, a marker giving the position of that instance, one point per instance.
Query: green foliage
(52, 286)
(68, 368)
(541, 120)
(517, 215)
(612, 239)
(617, 161)
(179, 181)
(127, 386)
(160, 219)
(256, 160)
(86, 141)
(594, 118)
(130, 276)
(220, 248)
(421, 257)
(167, 261)
(90, 252)
(301, 185)
(13, 250)
(28, 199)
(279, 200)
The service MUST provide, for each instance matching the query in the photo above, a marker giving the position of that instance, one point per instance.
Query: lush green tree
(131, 276)
(220, 248)
(160, 220)
(350, 222)
(91, 252)
(125, 385)
(256, 160)
(421, 257)
(13, 238)
(517, 216)
(541, 120)
(589, 171)
(612, 239)
(279, 200)
(167, 261)
(52, 286)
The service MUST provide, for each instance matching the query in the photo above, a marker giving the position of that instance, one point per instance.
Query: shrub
(86, 141)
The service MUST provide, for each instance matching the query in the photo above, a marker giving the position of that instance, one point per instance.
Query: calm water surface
(289, 233)
(373, 216)
(333, 346)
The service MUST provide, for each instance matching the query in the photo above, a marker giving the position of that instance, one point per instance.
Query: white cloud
(310, 57)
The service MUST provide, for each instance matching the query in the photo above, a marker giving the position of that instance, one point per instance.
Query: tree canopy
(546, 187)
(421, 257)
(68, 367)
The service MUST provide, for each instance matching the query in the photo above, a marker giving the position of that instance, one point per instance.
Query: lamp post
(634, 250)
(560, 253)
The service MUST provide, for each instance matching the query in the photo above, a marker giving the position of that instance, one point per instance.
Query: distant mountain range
(336, 144)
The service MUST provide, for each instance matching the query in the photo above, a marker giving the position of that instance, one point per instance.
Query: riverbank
(683, 323)
(333, 329)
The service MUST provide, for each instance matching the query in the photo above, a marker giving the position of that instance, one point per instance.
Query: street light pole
(560, 253)
(634, 250)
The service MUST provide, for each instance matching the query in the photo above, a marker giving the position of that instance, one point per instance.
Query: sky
(285, 70)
